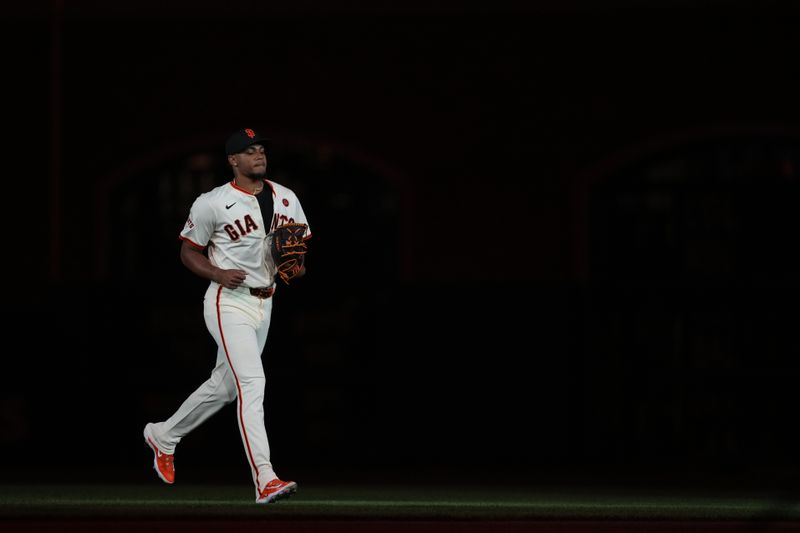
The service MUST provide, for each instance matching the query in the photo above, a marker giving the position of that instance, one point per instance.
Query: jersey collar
(233, 184)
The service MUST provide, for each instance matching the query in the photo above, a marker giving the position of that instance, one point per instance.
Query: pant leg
(216, 392)
(242, 322)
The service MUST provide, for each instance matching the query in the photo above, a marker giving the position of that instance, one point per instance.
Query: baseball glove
(288, 250)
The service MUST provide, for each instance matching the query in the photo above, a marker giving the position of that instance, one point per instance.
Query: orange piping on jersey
(233, 184)
(270, 186)
(190, 241)
(238, 390)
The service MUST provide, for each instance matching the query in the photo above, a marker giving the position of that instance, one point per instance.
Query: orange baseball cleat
(276, 490)
(163, 463)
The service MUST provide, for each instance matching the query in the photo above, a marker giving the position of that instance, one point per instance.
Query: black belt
(262, 292)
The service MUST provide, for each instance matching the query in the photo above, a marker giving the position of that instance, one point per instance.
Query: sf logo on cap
(250, 133)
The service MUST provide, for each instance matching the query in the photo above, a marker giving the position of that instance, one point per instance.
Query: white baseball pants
(238, 322)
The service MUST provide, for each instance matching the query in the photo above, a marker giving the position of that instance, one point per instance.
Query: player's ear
(232, 160)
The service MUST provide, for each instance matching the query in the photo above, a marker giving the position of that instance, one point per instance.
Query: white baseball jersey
(230, 221)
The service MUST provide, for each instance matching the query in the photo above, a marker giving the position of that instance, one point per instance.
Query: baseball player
(232, 222)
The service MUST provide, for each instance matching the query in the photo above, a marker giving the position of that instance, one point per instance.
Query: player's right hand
(231, 279)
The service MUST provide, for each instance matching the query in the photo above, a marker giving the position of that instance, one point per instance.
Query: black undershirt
(264, 198)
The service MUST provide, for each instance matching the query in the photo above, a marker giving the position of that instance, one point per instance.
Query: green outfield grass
(485, 502)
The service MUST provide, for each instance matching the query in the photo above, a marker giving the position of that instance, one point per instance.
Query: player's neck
(253, 186)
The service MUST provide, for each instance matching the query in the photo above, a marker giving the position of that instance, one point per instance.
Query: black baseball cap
(241, 139)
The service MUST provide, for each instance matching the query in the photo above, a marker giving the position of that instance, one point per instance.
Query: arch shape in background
(649, 152)
(205, 151)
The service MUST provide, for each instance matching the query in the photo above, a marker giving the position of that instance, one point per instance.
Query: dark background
(549, 237)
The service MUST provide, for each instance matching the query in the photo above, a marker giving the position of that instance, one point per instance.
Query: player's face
(252, 162)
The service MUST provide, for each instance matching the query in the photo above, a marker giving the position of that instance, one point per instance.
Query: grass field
(156, 507)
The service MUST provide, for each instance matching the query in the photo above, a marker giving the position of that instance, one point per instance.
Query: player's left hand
(288, 250)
